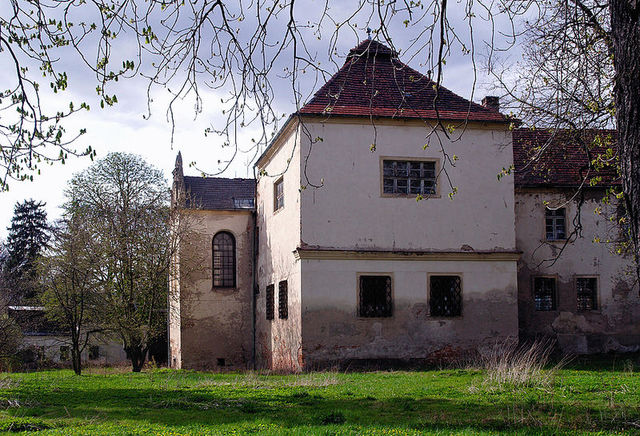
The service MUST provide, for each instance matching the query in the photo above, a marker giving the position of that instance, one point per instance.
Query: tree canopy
(121, 204)
(240, 50)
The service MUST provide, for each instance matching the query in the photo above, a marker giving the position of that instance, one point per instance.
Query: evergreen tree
(28, 237)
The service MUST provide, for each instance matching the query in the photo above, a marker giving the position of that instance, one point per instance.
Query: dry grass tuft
(512, 365)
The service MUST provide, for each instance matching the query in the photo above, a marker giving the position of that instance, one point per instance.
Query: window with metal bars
(544, 293)
(445, 296)
(555, 224)
(587, 290)
(409, 177)
(278, 194)
(224, 260)
(375, 297)
(269, 310)
(283, 300)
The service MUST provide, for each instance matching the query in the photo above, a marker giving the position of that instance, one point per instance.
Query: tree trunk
(625, 37)
(137, 355)
(76, 359)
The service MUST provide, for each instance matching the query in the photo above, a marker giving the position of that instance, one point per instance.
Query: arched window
(223, 253)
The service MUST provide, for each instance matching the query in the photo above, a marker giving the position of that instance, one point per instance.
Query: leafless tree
(575, 80)
(70, 289)
(241, 51)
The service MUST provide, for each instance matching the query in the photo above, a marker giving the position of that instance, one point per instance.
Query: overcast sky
(123, 128)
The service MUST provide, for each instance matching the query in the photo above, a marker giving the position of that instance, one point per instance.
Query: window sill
(410, 196)
(556, 241)
(225, 288)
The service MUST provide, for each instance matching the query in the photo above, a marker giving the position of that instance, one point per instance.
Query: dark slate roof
(373, 82)
(217, 193)
(558, 158)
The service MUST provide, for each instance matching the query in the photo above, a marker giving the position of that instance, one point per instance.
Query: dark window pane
(408, 177)
(587, 291)
(269, 310)
(375, 297)
(544, 292)
(283, 300)
(224, 260)
(445, 296)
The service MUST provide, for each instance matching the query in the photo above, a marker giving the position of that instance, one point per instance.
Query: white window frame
(278, 198)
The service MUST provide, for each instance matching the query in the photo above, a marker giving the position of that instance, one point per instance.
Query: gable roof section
(547, 158)
(217, 193)
(373, 82)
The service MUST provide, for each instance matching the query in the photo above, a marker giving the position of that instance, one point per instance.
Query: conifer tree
(28, 237)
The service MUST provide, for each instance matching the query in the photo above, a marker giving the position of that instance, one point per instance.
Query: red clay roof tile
(373, 82)
(559, 159)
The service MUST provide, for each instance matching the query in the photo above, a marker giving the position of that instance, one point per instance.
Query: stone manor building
(349, 247)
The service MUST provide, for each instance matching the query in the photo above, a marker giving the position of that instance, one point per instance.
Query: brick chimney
(491, 102)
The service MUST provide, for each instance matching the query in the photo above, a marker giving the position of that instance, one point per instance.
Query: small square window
(555, 224)
(283, 300)
(408, 178)
(445, 297)
(375, 297)
(587, 290)
(278, 194)
(270, 303)
(544, 293)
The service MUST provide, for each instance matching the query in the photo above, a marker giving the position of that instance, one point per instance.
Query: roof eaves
(275, 139)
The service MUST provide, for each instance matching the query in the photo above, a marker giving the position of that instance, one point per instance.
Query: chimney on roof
(491, 102)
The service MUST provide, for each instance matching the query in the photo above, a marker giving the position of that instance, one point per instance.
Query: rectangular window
(278, 194)
(544, 293)
(375, 297)
(269, 297)
(283, 300)
(445, 296)
(587, 290)
(94, 352)
(64, 353)
(408, 177)
(555, 224)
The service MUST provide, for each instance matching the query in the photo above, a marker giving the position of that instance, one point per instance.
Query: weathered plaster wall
(216, 323)
(278, 341)
(174, 323)
(615, 325)
(332, 330)
(349, 211)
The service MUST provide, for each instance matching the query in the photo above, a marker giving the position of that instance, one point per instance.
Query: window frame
(269, 296)
(555, 292)
(597, 292)
(445, 274)
(436, 162)
(554, 219)
(283, 309)
(234, 265)
(358, 296)
(276, 197)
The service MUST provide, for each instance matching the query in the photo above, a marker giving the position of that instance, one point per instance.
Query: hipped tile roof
(557, 158)
(217, 193)
(373, 82)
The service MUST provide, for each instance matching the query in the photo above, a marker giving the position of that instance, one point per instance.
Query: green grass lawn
(575, 399)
